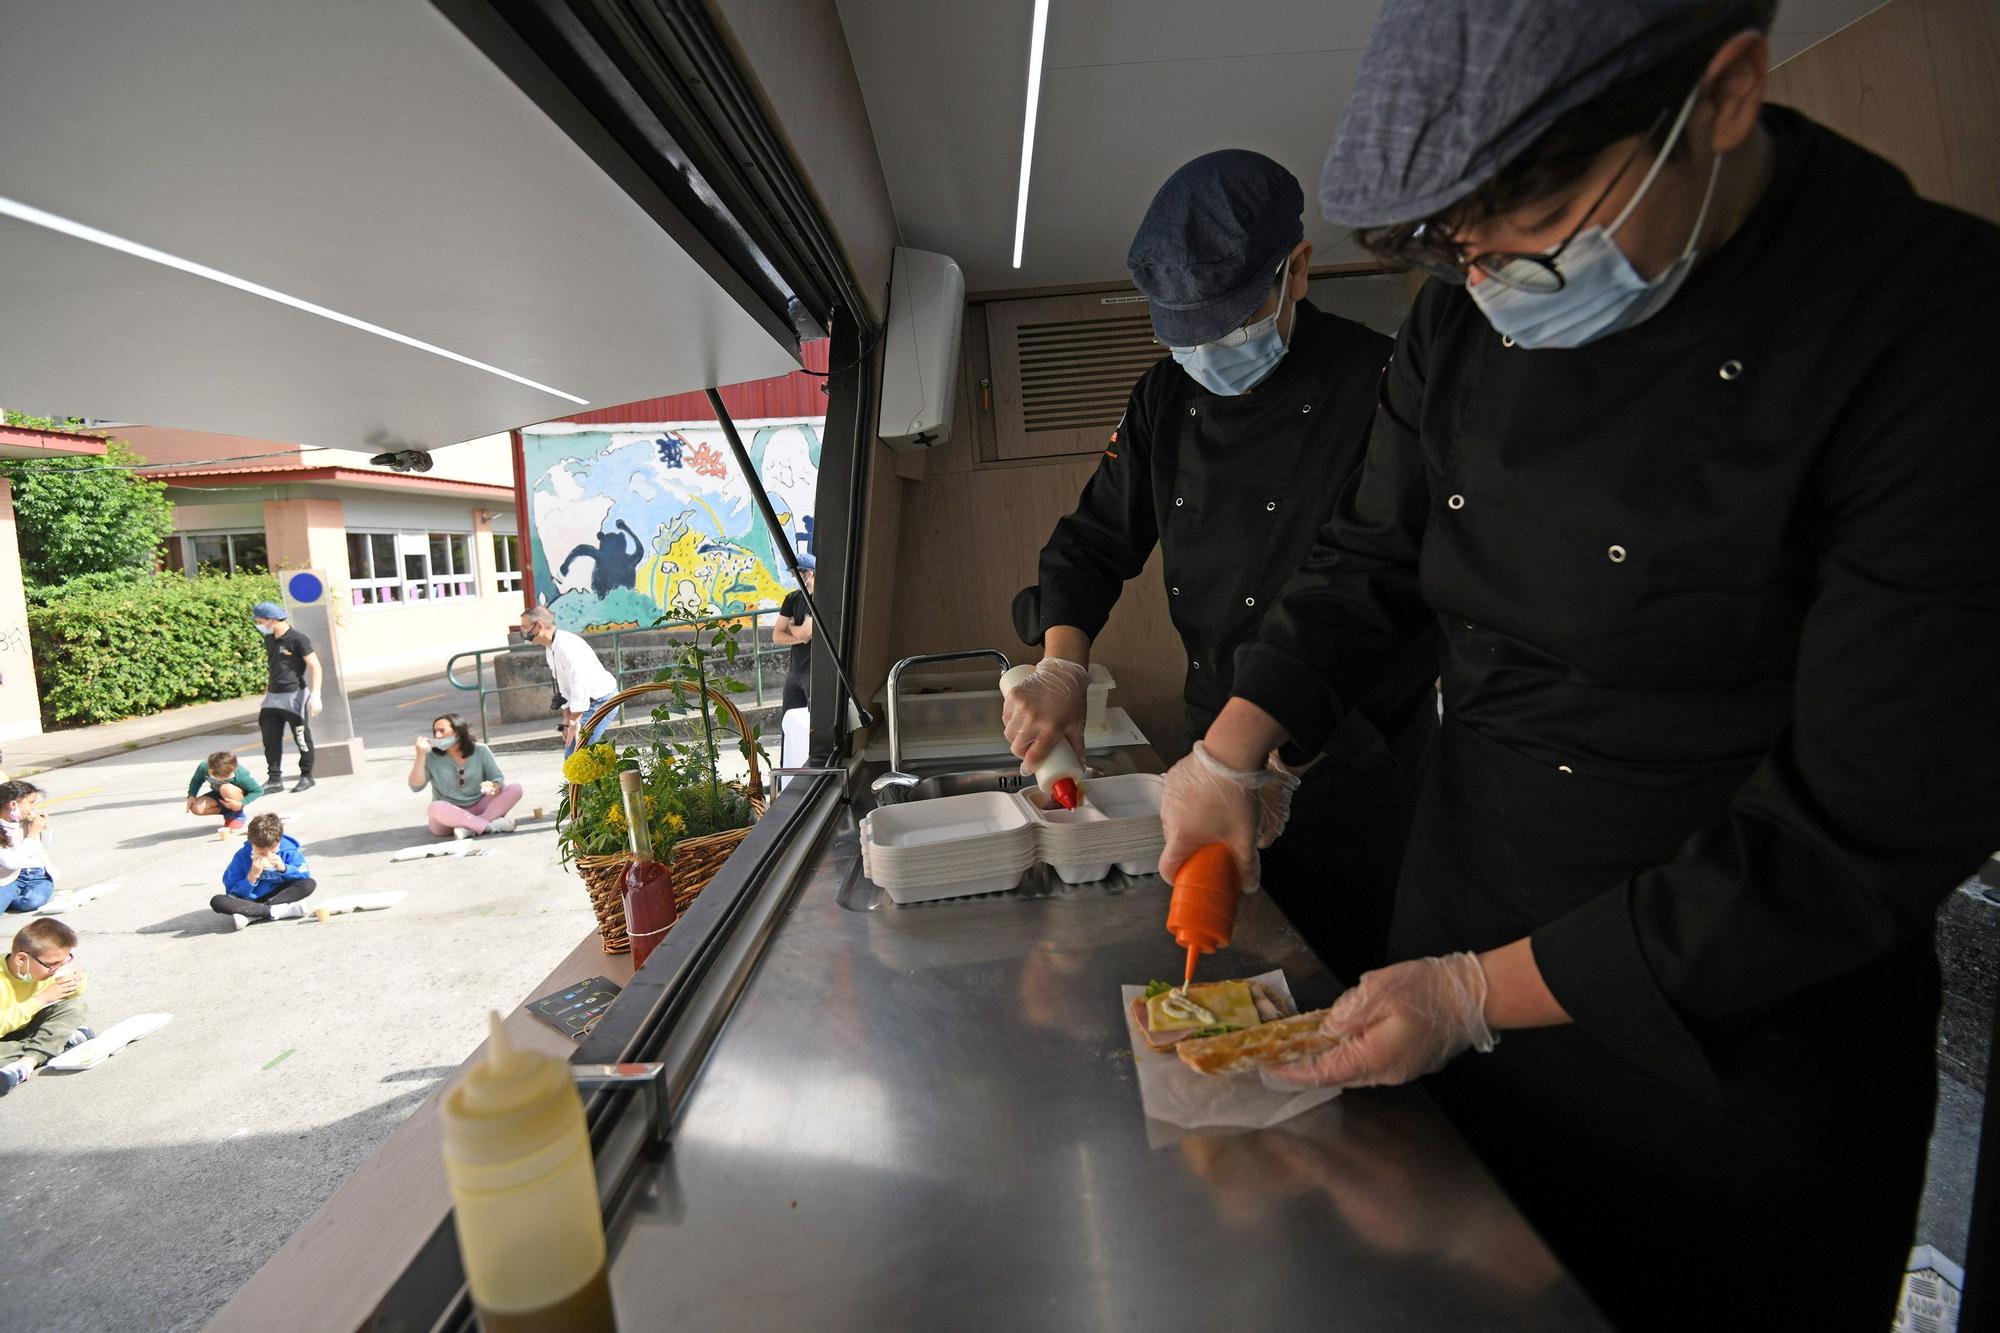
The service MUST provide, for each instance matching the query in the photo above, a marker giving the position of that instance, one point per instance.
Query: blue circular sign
(305, 589)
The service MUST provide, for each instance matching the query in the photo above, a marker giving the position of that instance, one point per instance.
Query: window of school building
(506, 562)
(395, 568)
(222, 552)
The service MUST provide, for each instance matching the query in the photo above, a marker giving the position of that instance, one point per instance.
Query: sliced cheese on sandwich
(1229, 1002)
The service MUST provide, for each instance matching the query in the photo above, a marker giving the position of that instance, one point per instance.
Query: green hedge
(108, 647)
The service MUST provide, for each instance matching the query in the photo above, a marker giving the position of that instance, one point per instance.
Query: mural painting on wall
(628, 525)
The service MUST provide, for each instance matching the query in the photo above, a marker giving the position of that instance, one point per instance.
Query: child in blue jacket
(268, 878)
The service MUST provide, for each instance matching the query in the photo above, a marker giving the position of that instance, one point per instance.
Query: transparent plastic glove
(1277, 804)
(1047, 707)
(1207, 801)
(1400, 1023)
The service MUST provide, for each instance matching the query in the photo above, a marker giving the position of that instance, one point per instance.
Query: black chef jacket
(1232, 488)
(1731, 577)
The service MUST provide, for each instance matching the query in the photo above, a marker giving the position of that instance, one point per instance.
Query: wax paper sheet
(1173, 1093)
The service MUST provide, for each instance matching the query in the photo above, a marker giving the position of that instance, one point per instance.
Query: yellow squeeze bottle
(517, 1157)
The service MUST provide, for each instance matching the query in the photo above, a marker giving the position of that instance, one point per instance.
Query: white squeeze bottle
(524, 1194)
(1059, 775)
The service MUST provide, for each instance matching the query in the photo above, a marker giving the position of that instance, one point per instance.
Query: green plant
(87, 516)
(110, 646)
(683, 792)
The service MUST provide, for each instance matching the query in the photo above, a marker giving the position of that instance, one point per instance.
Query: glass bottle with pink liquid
(649, 885)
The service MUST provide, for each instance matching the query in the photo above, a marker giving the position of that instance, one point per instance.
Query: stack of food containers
(956, 846)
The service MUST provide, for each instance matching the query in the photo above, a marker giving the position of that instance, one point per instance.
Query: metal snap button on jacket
(1456, 502)
(1270, 505)
(1730, 369)
(1249, 601)
(1617, 554)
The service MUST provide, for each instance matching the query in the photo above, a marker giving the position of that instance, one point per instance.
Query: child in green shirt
(229, 791)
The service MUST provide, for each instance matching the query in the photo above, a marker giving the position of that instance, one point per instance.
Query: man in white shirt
(580, 678)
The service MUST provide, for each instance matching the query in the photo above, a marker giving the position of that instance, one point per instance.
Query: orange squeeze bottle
(1201, 914)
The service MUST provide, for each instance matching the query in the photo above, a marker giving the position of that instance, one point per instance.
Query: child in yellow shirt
(41, 1000)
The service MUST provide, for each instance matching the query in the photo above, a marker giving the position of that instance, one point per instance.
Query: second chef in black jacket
(1230, 456)
(1709, 526)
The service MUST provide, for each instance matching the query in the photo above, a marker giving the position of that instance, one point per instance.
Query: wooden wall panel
(1917, 81)
(969, 542)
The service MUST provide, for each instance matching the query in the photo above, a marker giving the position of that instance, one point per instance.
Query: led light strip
(13, 208)
(1028, 129)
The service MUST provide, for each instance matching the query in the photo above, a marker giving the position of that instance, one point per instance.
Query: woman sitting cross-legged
(471, 795)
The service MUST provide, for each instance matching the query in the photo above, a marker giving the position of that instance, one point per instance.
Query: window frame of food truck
(710, 168)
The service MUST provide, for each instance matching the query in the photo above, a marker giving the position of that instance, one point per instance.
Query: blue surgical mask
(1241, 359)
(1601, 293)
(442, 743)
(263, 629)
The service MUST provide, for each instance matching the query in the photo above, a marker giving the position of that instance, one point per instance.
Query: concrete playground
(143, 1193)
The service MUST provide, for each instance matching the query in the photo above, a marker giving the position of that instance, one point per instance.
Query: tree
(86, 515)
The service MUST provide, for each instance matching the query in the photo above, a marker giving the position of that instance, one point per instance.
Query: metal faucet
(896, 779)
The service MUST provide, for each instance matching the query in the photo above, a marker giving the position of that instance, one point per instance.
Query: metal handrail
(615, 640)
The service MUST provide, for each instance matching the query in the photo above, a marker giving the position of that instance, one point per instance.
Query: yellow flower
(675, 824)
(615, 816)
(590, 763)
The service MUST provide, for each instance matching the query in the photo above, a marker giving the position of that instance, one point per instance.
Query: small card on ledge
(573, 1009)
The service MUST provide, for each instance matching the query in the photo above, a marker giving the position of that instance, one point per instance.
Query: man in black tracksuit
(1230, 455)
(1689, 450)
(291, 695)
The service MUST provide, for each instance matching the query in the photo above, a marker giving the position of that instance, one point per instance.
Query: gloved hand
(1277, 799)
(1207, 801)
(1047, 707)
(1402, 1022)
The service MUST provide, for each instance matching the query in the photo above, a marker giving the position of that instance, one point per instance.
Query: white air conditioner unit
(921, 349)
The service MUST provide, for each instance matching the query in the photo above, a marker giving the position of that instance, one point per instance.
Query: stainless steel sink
(1003, 776)
(964, 784)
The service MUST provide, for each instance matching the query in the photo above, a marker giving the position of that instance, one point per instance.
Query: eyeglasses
(54, 966)
(1239, 335)
(1525, 270)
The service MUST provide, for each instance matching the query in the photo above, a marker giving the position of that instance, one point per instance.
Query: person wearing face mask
(1229, 457)
(291, 695)
(41, 1001)
(470, 796)
(1687, 449)
(582, 683)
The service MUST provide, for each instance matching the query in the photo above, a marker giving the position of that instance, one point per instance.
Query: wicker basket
(692, 862)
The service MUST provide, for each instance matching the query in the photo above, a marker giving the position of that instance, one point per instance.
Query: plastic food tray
(1117, 824)
(985, 842)
(951, 847)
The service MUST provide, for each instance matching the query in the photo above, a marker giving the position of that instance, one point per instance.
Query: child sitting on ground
(41, 1001)
(27, 878)
(229, 791)
(268, 878)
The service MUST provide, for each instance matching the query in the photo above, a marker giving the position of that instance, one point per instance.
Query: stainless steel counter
(928, 1117)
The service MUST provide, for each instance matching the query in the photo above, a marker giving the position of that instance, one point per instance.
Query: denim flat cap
(268, 611)
(1211, 242)
(1451, 91)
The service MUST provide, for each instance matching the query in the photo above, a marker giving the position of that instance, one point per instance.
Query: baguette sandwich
(1299, 1037)
(1165, 1017)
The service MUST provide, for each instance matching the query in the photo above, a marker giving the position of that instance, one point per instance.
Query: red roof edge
(346, 476)
(55, 441)
(796, 394)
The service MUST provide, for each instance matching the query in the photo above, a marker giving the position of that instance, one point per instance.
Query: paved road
(142, 1194)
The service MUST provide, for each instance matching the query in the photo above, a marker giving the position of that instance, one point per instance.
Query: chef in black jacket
(1230, 454)
(1709, 527)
